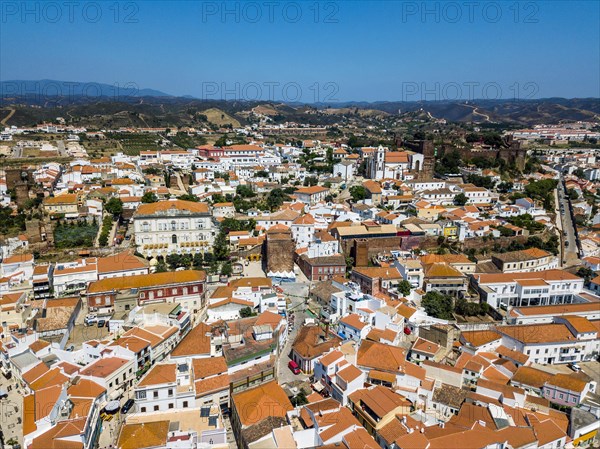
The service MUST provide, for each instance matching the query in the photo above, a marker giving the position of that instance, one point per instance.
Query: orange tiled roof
(255, 404)
(160, 206)
(144, 435)
(146, 280)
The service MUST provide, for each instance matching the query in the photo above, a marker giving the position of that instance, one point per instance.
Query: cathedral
(386, 164)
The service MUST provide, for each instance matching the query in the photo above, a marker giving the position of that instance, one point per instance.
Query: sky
(310, 51)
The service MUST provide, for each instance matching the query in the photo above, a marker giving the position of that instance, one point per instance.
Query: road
(62, 150)
(297, 292)
(570, 254)
(5, 120)
(11, 410)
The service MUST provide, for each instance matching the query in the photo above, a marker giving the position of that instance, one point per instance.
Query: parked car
(90, 319)
(294, 367)
(127, 406)
(101, 323)
(574, 367)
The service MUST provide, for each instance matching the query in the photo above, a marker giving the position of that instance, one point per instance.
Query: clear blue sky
(365, 51)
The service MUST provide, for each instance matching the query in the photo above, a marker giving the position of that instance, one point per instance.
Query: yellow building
(66, 204)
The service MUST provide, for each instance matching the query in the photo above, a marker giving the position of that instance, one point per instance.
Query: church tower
(379, 166)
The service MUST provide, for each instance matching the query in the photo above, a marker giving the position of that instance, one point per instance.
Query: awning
(318, 386)
(112, 406)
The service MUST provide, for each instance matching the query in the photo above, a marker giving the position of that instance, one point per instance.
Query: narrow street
(570, 253)
(297, 292)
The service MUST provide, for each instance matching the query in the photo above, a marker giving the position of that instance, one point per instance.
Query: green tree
(493, 139)
(579, 173)
(114, 206)
(349, 264)
(149, 197)
(358, 193)
(189, 197)
(310, 181)
(198, 260)
(438, 305)
(461, 199)
(449, 163)
(103, 239)
(226, 269)
(221, 141)
(221, 247)
(276, 198)
(218, 198)
(586, 273)
(161, 267)
(504, 187)
(472, 137)
(244, 191)
(246, 312)
(404, 287)
(572, 194)
(299, 399)
(481, 181)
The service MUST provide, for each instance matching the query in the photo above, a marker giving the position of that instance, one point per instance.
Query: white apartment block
(528, 289)
(173, 227)
(564, 341)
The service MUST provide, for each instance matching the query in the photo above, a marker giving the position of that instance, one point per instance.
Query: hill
(98, 106)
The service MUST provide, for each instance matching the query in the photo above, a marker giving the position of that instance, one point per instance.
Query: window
(155, 394)
(170, 392)
(156, 408)
(174, 291)
(140, 395)
(173, 238)
(185, 404)
(143, 409)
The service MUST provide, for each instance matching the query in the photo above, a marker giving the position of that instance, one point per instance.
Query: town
(295, 284)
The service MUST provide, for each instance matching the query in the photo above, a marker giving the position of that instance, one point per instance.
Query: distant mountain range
(55, 88)
(104, 105)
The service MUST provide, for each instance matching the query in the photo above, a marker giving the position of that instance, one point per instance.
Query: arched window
(173, 238)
